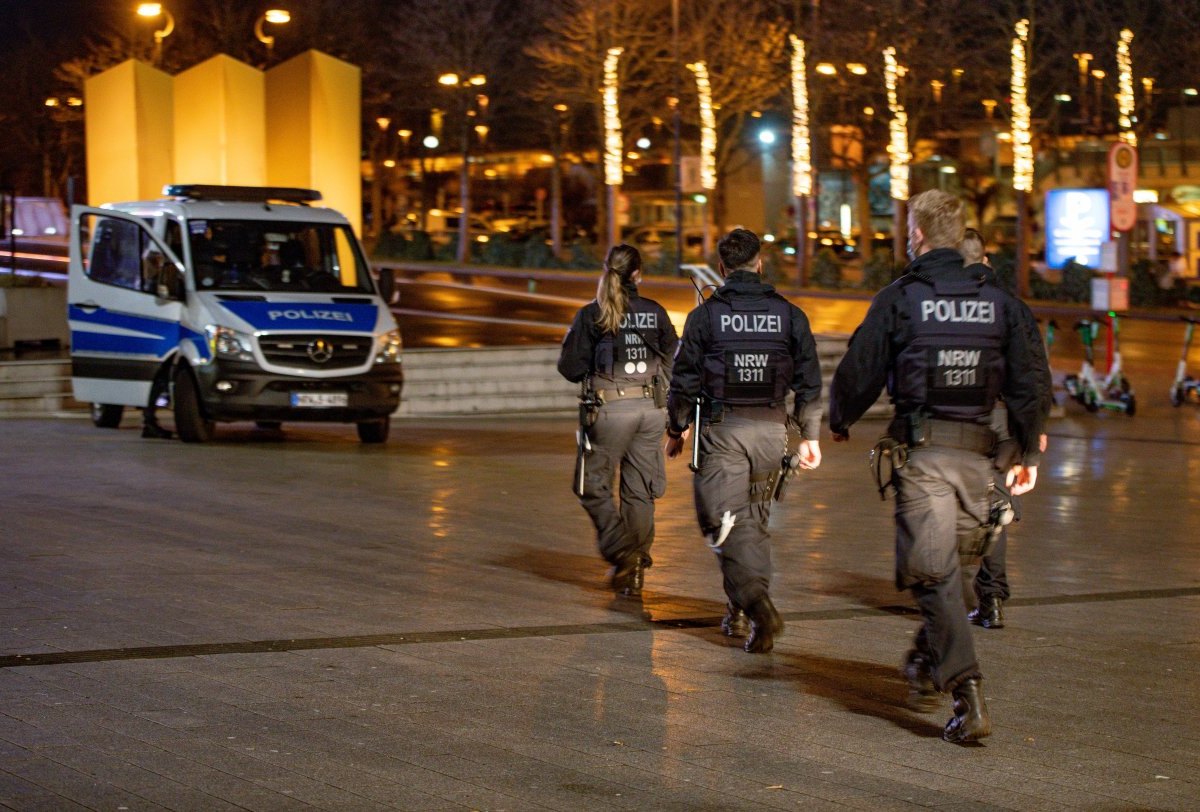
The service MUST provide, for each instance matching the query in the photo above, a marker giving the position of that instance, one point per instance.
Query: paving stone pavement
(296, 621)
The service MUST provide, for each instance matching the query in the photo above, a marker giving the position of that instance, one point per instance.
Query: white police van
(230, 303)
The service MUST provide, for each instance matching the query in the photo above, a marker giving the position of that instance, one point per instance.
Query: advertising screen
(1076, 225)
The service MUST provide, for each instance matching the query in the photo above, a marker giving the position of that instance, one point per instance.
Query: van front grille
(316, 350)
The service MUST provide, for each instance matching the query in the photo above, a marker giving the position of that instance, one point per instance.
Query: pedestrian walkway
(297, 621)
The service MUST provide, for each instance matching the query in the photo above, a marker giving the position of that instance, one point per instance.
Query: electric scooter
(1056, 407)
(1114, 391)
(1185, 387)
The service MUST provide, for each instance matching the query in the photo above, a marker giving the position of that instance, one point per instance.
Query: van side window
(116, 253)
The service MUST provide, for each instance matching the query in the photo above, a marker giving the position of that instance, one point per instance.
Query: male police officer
(947, 343)
(741, 353)
(990, 584)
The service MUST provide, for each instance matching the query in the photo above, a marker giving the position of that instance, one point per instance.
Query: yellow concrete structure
(314, 136)
(225, 122)
(130, 144)
(220, 124)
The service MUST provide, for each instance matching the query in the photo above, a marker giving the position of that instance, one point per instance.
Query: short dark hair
(738, 249)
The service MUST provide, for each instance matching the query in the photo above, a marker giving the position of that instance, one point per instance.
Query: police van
(230, 303)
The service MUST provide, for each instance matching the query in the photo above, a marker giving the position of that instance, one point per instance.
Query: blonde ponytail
(622, 263)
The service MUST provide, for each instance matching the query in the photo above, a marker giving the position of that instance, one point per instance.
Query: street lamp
(1082, 60)
(1097, 115)
(275, 16)
(465, 83)
(558, 141)
(153, 10)
(1184, 95)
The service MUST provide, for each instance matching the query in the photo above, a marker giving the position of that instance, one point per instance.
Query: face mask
(913, 247)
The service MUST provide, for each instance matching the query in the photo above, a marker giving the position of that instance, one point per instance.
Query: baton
(583, 447)
(695, 463)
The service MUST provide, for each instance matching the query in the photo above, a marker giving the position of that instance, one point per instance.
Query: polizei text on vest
(971, 311)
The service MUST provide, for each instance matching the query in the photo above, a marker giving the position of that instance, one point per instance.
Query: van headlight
(390, 346)
(224, 342)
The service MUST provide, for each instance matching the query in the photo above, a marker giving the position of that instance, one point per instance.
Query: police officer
(622, 345)
(743, 351)
(990, 584)
(947, 343)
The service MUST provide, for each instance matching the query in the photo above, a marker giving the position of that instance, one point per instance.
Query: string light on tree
(802, 176)
(708, 127)
(898, 127)
(1021, 140)
(1125, 100)
(612, 120)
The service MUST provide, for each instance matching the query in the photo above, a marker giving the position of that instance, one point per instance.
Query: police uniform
(742, 352)
(990, 586)
(947, 343)
(628, 428)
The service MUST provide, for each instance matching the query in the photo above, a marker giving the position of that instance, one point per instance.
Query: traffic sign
(1122, 180)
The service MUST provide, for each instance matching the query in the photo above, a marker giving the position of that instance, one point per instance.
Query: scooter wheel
(1071, 385)
(1130, 405)
(1090, 402)
(1177, 395)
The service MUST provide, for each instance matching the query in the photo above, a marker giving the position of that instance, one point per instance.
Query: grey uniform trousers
(627, 435)
(737, 458)
(942, 494)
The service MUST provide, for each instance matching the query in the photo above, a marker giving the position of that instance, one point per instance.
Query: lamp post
(275, 16)
(378, 147)
(429, 142)
(153, 10)
(1082, 60)
(465, 84)
(558, 141)
(1097, 115)
(1184, 95)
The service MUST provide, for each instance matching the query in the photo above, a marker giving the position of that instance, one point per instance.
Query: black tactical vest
(625, 356)
(953, 363)
(749, 362)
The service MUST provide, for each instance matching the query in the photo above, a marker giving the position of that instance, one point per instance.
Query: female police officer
(621, 346)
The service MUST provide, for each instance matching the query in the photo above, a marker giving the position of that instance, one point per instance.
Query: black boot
(152, 431)
(628, 576)
(765, 623)
(923, 695)
(971, 721)
(988, 614)
(735, 623)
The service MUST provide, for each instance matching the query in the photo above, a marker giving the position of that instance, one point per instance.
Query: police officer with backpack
(947, 342)
(620, 347)
(743, 351)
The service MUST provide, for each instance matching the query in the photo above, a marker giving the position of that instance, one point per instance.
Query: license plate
(320, 400)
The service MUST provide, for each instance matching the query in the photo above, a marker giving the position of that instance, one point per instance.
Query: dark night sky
(56, 20)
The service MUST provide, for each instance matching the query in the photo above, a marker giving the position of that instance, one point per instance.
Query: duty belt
(947, 434)
(631, 393)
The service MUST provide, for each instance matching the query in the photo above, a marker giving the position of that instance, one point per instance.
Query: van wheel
(374, 431)
(269, 425)
(107, 415)
(190, 422)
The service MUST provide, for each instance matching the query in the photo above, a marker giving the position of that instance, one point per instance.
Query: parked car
(649, 240)
(442, 226)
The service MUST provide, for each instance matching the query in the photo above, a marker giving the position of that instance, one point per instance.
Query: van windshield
(265, 255)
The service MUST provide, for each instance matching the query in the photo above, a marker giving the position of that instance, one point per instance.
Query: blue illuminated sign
(1076, 225)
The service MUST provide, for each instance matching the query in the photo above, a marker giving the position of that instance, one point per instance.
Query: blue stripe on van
(159, 336)
(309, 316)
